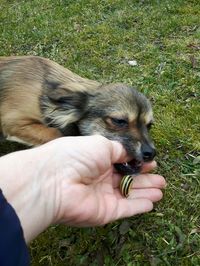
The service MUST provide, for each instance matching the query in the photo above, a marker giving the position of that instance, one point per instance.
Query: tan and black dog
(41, 100)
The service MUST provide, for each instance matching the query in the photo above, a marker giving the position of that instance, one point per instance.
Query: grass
(96, 39)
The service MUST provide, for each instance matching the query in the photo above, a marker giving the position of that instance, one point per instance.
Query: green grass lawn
(96, 39)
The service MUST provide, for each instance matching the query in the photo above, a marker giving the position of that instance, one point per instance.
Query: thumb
(118, 153)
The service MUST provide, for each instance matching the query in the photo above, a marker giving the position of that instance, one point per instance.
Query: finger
(148, 181)
(147, 167)
(142, 181)
(127, 208)
(153, 194)
(119, 154)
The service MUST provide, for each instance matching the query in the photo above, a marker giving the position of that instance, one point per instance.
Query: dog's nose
(148, 153)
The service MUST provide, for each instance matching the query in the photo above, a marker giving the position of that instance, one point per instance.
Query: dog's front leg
(31, 133)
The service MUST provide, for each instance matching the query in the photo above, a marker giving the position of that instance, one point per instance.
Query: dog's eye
(149, 126)
(119, 122)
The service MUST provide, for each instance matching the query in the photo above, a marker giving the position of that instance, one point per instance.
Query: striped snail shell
(125, 185)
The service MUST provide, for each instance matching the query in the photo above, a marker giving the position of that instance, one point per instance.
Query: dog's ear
(64, 98)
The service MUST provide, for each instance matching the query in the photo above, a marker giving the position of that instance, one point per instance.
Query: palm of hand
(100, 201)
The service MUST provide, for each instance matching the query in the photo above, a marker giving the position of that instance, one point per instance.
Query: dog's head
(115, 111)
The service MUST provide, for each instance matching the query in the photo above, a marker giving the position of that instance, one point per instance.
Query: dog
(41, 101)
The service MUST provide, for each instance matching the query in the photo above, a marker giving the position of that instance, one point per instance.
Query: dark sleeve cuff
(13, 249)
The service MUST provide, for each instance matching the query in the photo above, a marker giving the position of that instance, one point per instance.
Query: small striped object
(125, 185)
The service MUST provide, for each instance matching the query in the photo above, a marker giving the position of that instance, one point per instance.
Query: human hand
(90, 195)
(72, 180)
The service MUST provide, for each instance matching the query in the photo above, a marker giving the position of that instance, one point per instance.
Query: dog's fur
(41, 100)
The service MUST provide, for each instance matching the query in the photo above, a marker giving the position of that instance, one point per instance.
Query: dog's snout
(148, 153)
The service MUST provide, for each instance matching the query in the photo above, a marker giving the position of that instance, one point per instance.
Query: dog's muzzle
(134, 166)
